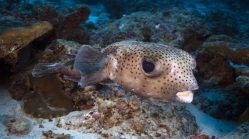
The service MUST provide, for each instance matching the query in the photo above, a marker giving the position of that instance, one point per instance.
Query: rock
(240, 133)
(188, 122)
(49, 93)
(243, 81)
(82, 98)
(227, 48)
(173, 26)
(209, 73)
(61, 51)
(46, 12)
(48, 98)
(58, 51)
(17, 125)
(66, 22)
(14, 39)
(19, 86)
(221, 102)
(49, 134)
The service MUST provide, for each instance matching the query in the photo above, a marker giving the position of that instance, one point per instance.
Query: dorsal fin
(89, 60)
(92, 65)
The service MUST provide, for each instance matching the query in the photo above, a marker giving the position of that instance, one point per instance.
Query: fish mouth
(185, 96)
(195, 87)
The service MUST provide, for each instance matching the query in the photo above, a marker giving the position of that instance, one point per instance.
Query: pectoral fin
(92, 65)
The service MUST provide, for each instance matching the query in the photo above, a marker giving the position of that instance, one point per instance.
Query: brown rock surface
(227, 48)
(14, 39)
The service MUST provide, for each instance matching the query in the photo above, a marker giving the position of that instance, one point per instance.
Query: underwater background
(214, 32)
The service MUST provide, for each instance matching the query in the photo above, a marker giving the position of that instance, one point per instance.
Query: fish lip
(185, 96)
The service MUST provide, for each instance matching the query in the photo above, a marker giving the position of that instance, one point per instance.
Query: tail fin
(42, 69)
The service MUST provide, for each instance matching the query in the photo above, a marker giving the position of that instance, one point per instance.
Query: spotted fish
(146, 69)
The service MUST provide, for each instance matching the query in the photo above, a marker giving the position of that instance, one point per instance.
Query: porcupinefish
(147, 69)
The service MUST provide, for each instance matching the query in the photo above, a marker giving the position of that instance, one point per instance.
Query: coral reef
(219, 95)
(223, 21)
(17, 125)
(119, 8)
(126, 114)
(209, 73)
(65, 22)
(47, 99)
(186, 118)
(58, 51)
(43, 97)
(243, 82)
(49, 93)
(19, 86)
(50, 135)
(221, 102)
(14, 39)
(83, 122)
(217, 50)
(242, 132)
(82, 98)
(227, 48)
(202, 136)
(173, 26)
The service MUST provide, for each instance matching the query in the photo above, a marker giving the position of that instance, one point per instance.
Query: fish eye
(148, 65)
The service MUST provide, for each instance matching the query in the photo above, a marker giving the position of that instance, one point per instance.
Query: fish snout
(193, 86)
